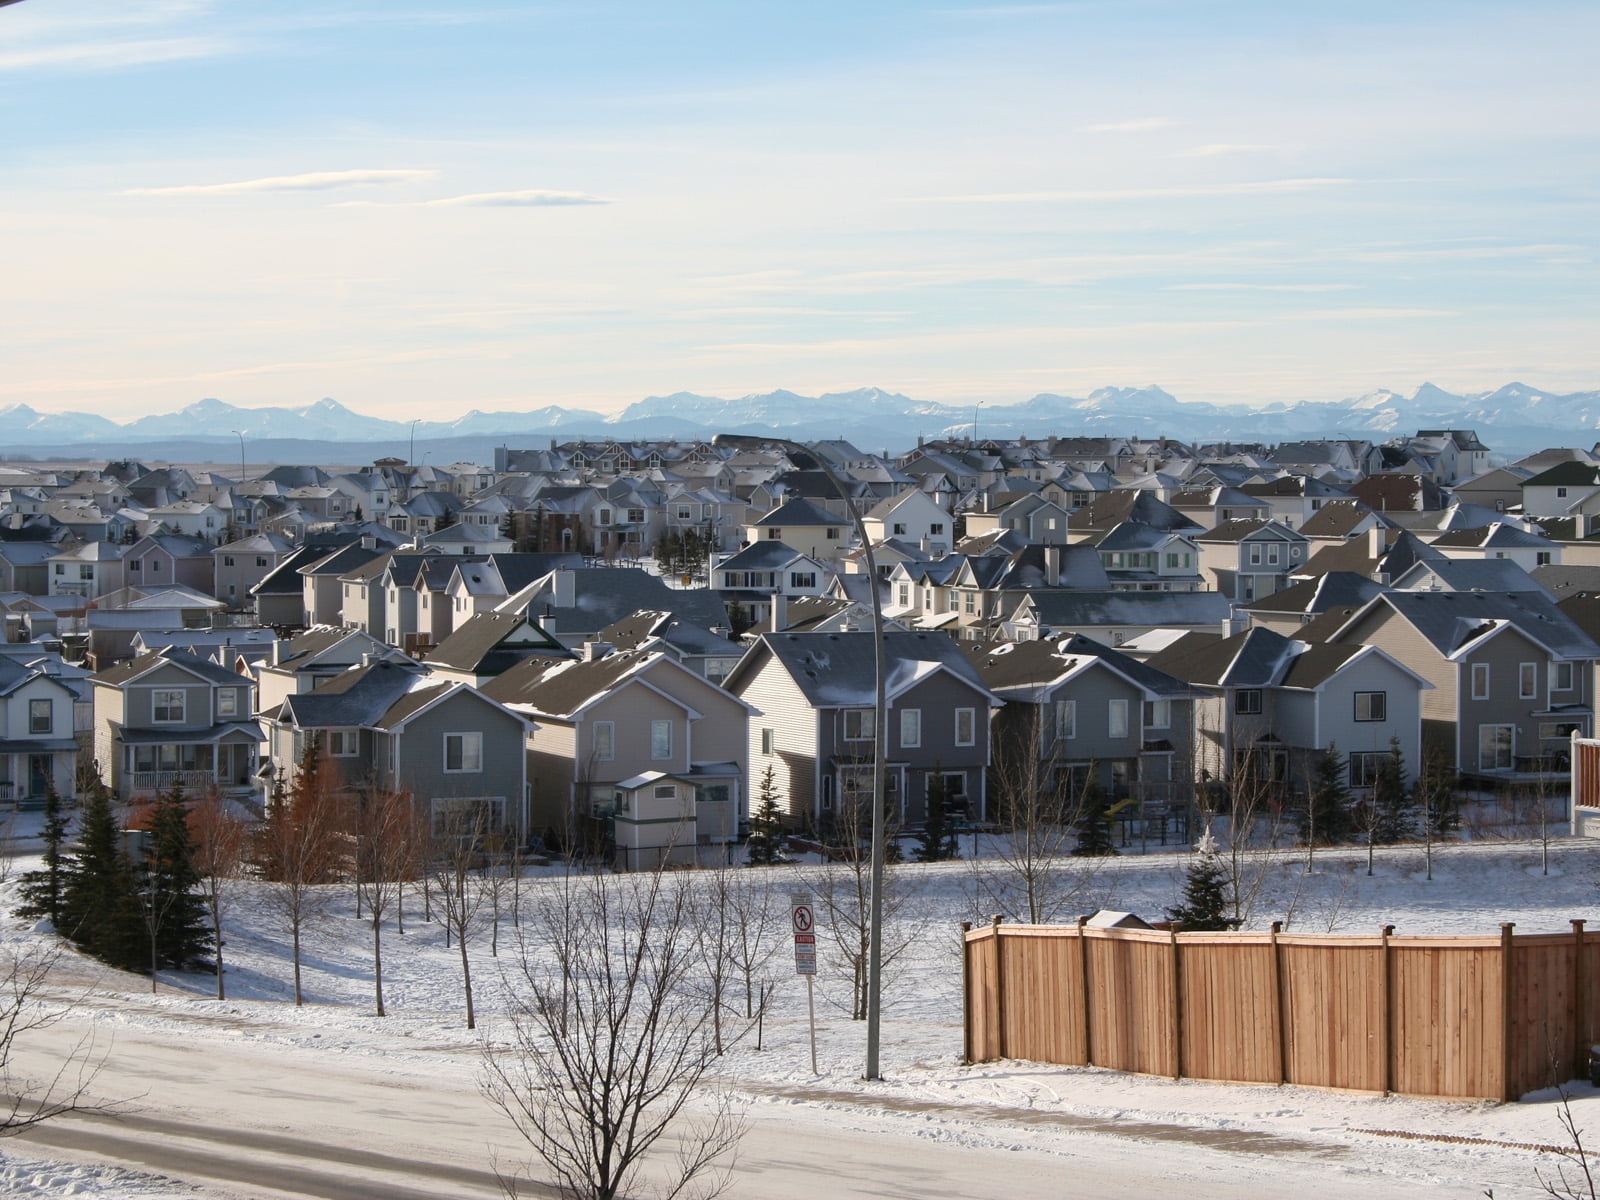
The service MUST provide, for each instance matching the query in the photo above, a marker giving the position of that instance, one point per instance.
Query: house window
(605, 741)
(833, 534)
(910, 728)
(685, 512)
(134, 565)
(344, 743)
(603, 802)
(1372, 706)
(1563, 677)
(603, 517)
(899, 529)
(858, 724)
(1541, 558)
(1480, 681)
(660, 739)
(966, 726)
(227, 561)
(166, 705)
(766, 741)
(1255, 555)
(936, 530)
(955, 792)
(905, 594)
(1117, 718)
(41, 716)
(1066, 720)
(1272, 554)
(1247, 701)
(802, 579)
(666, 791)
(1561, 493)
(227, 702)
(463, 752)
(635, 516)
(1158, 714)
(774, 535)
(1527, 680)
(1494, 747)
(971, 602)
(1365, 767)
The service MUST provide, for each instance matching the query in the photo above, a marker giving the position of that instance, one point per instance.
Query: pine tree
(1435, 797)
(1204, 906)
(937, 841)
(44, 889)
(1395, 817)
(1093, 826)
(99, 902)
(764, 846)
(1326, 818)
(174, 910)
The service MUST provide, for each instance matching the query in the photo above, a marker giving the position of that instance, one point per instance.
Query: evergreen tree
(44, 889)
(174, 910)
(1093, 826)
(937, 841)
(764, 846)
(1395, 817)
(1435, 797)
(99, 902)
(1326, 818)
(1204, 907)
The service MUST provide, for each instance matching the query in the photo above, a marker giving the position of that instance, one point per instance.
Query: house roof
(799, 512)
(204, 668)
(1468, 575)
(1240, 528)
(354, 698)
(479, 644)
(1071, 609)
(838, 670)
(1017, 666)
(1450, 621)
(636, 630)
(565, 689)
(1317, 595)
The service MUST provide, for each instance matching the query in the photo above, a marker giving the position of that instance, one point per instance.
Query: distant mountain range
(1513, 419)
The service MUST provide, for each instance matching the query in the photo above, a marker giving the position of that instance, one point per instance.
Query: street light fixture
(879, 720)
(411, 460)
(240, 436)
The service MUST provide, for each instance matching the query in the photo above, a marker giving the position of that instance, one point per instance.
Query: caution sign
(803, 918)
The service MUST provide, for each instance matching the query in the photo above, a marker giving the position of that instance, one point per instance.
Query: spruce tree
(174, 910)
(1204, 906)
(1326, 818)
(1434, 795)
(43, 890)
(1395, 817)
(764, 846)
(99, 902)
(1093, 826)
(933, 841)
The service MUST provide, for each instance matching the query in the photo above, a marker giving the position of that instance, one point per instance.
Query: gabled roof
(356, 698)
(837, 670)
(564, 690)
(1240, 528)
(1333, 590)
(764, 555)
(639, 630)
(1467, 575)
(1041, 666)
(493, 643)
(800, 512)
(1058, 609)
(1337, 518)
(201, 668)
(1452, 621)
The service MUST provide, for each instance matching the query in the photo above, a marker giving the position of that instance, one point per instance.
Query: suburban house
(1270, 705)
(631, 752)
(1249, 558)
(312, 657)
(386, 726)
(170, 718)
(1512, 676)
(38, 746)
(1078, 711)
(815, 696)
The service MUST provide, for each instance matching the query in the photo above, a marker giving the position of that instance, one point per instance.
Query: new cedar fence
(1458, 1017)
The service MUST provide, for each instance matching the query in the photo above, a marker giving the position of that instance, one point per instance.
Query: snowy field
(181, 1055)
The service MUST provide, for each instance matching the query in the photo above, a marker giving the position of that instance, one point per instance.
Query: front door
(38, 775)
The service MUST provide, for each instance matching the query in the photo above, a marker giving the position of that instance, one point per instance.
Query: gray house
(815, 695)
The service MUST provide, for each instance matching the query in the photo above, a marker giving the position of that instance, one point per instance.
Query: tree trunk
(377, 961)
(299, 997)
(466, 980)
(216, 935)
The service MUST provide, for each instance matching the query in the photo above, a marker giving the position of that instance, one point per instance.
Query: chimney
(595, 651)
(780, 612)
(1377, 541)
(1052, 566)
(1232, 626)
(369, 541)
(279, 645)
(563, 588)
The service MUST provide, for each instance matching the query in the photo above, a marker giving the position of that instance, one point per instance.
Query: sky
(421, 210)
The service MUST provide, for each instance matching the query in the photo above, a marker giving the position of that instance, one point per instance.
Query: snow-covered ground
(1064, 1124)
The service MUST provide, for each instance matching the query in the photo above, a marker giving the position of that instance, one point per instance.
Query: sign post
(803, 918)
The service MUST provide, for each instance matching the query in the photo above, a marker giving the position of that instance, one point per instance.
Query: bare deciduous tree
(26, 1101)
(219, 832)
(458, 844)
(610, 1042)
(383, 855)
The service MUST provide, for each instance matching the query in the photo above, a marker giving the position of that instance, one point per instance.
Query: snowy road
(243, 1114)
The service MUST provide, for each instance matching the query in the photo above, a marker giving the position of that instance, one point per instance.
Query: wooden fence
(1458, 1017)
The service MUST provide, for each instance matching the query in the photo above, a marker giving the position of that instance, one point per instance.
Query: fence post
(1507, 1001)
(966, 994)
(1083, 988)
(1177, 1008)
(999, 988)
(1385, 1020)
(1580, 1004)
(1280, 1032)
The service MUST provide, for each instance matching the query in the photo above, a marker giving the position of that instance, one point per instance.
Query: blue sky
(421, 210)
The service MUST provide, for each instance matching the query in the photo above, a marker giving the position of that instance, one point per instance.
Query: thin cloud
(311, 181)
(1246, 188)
(1141, 125)
(1262, 287)
(102, 56)
(1223, 149)
(527, 198)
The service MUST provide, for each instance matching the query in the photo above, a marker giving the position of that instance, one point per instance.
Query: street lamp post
(240, 436)
(879, 719)
(411, 459)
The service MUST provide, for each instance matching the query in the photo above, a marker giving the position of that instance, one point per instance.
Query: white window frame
(1510, 747)
(157, 705)
(1159, 715)
(468, 746)
(603, 741)
(344, 743)
(1480, 681)
(1248, 702)
(966, 731)
(911, 728)
(1064, 720)
(227, 702)
(1527, 680)
(1367, 710)
(35, 724)
(858, 724)
(766, 741)
(1117, 725)
(660, 740)
(1561, 671)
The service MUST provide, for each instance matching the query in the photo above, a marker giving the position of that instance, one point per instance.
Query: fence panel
(1230, 1001)
(1543, 1012)
(1446, 1034)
